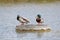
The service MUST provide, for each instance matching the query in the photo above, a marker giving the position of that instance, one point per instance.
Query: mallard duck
(22, 20)
(38, 19)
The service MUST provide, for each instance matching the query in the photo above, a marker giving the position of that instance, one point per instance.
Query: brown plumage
(38, 20)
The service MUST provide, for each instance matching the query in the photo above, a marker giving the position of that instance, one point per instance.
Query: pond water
(50, 12)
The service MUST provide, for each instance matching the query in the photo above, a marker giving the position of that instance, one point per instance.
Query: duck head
(38, 16)
(18, 17)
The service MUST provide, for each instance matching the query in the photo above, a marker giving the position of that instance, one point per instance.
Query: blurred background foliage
(29, 1)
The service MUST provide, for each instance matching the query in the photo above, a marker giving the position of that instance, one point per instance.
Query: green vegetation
(20, 1)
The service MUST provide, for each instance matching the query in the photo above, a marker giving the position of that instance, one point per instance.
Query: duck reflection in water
(30, 34)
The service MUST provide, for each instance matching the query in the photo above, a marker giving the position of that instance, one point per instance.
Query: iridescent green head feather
(39, 15)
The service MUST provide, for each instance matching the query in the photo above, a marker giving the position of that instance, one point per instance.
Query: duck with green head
(38, 19)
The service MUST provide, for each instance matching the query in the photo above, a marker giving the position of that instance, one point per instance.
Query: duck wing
(25, 19)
